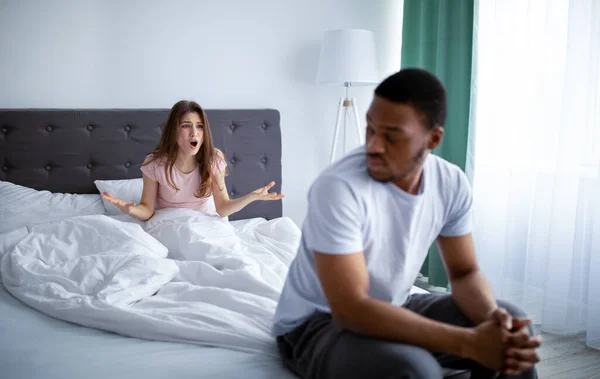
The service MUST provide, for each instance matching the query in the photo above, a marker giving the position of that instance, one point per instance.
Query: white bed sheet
(33, 345)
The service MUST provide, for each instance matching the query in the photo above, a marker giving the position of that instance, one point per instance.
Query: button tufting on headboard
(73, 159)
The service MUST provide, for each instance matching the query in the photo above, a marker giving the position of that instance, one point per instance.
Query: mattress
(34, 345)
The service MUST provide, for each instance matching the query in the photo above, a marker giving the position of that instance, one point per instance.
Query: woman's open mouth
(194, 144)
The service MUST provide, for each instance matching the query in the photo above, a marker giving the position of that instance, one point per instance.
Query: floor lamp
(347, 58)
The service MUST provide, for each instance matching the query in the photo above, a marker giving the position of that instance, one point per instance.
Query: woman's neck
(186, 164)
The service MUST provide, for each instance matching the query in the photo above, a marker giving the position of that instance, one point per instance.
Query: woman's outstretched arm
(226, 206)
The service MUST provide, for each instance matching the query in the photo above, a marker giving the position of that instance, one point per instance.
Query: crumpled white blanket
(181, 276)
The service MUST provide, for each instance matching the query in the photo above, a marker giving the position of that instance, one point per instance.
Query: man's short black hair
(420, 89)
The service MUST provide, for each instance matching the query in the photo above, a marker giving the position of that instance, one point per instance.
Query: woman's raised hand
(263, 193)
(124, 206)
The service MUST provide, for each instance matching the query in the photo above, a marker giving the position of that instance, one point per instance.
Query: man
(346, 310)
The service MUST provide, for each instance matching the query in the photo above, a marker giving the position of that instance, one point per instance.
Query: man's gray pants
(320, 349)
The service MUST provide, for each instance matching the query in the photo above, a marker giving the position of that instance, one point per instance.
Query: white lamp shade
(348, 56)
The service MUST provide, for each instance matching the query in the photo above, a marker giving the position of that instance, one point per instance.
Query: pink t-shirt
(188, 184)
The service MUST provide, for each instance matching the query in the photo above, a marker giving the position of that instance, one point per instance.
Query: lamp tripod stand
(348, 107)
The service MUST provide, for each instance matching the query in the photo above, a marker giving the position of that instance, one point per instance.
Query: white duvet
(181, 276)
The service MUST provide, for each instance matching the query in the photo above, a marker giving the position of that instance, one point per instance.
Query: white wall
(223, 54)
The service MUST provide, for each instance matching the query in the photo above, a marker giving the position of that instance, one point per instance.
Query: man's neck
(411, 182)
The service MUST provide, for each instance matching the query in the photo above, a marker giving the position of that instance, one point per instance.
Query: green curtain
(437, 35)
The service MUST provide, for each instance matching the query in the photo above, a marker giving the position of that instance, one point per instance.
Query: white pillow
(23, 206)
(125, 189)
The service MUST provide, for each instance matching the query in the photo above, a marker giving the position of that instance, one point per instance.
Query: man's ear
(435, 137)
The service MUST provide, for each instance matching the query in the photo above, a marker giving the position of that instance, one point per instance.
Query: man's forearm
(383, 320)
(473, 295)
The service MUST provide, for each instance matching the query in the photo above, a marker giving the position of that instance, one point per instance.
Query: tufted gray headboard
(62, 150)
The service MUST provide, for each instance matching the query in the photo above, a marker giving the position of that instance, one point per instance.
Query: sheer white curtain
(536, 153)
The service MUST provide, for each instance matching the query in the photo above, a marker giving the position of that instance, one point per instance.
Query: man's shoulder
(446, 167)
(449, 183)
(350, 171)
(350, 168)
(446, 173)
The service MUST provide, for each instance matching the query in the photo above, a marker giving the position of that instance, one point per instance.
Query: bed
(66, 151)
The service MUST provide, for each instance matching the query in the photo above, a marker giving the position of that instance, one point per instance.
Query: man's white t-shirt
(350, 212)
